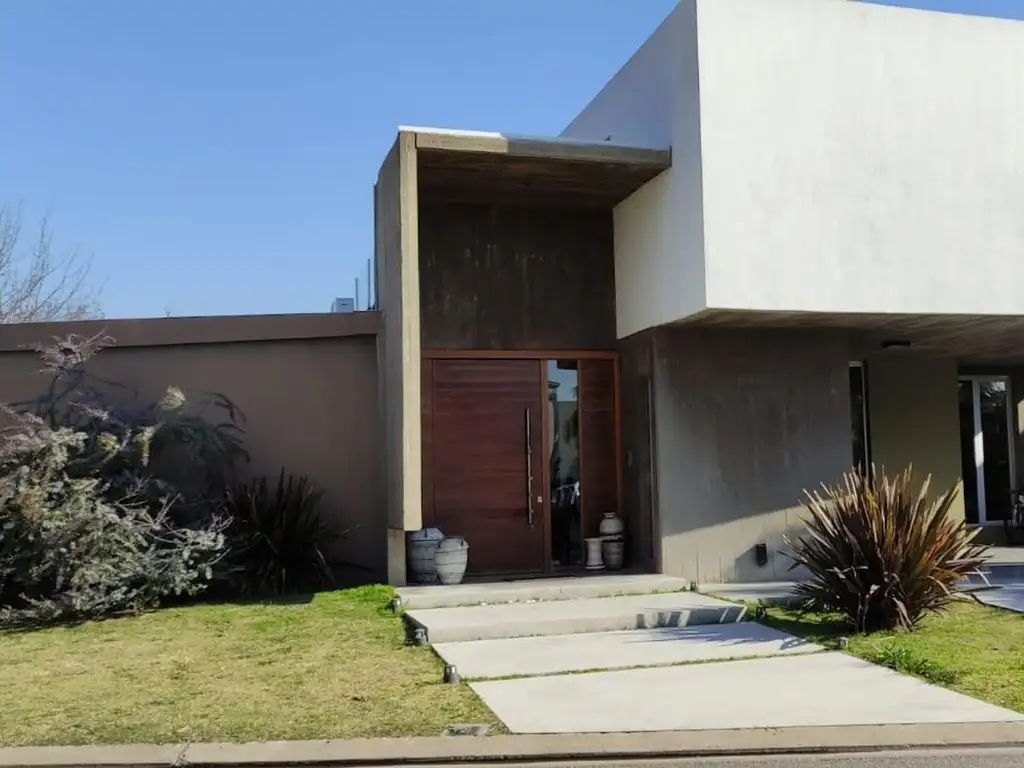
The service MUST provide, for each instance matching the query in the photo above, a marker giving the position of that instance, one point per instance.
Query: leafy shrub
(68, 551)
(278, 536)
(106, 507)
(880, 553)
(176, 451)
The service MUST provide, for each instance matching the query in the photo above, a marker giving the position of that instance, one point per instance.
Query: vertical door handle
(529, 471)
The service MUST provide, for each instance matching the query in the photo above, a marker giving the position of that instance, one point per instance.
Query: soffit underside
(474, 168)
(969, 339)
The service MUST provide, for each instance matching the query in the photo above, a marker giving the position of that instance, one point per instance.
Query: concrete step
(572, 617)
(560, 654)
(766, 592)
(532, 590)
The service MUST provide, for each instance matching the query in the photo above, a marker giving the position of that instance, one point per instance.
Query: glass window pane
(564, 462)
(858, 420)
(996, 439)
(968, 468)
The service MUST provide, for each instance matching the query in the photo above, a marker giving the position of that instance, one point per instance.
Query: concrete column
(396, 246)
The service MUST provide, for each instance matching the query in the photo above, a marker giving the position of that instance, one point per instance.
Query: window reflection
(858, 418)
(564, 462)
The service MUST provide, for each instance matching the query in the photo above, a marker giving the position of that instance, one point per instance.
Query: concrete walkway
(1008, 596)
(533, 590)
(618, 650)
(767, 592)
(568, 617)
(1003, 570)
(669, 661)
(825, 689)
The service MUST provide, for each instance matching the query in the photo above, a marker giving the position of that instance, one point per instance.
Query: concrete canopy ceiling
(969, 339)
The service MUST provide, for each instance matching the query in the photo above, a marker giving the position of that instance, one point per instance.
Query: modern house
(785, 239)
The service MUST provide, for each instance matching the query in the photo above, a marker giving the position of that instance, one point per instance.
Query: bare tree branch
(35, 285)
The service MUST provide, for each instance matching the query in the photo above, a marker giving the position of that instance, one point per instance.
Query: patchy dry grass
(971, 648)
(333, 667)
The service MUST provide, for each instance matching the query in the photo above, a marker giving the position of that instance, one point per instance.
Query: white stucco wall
(828, 156)
(861, 158)
(659, 241)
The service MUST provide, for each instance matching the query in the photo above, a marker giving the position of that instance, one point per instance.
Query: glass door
(563, 442)
(582, 453)
(986, 447)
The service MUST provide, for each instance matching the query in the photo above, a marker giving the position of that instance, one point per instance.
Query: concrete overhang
(474, 166)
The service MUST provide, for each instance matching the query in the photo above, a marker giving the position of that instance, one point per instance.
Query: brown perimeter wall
(306, 383)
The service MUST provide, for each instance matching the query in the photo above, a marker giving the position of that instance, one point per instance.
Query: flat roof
(477, 166)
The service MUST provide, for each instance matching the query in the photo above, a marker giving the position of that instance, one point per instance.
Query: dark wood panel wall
(637, 436)
(599, 470)
(427, 452)
(515, 277)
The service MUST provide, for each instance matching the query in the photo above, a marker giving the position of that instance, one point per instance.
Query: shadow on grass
(823, 629)
(892, 650)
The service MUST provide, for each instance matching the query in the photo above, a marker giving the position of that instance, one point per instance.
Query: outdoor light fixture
(451, 674)
(761, 554)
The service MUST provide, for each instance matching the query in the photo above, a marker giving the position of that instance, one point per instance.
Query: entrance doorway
(986, 447)
(520, 456)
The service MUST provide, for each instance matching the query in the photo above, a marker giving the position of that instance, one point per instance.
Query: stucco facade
(828, 156)
(306, 384)
(806, 197)
(746, 420)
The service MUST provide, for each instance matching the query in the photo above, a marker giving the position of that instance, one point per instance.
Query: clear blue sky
(218, 156)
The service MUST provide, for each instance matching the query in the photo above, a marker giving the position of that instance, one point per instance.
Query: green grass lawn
(971, 648)
(334, 667)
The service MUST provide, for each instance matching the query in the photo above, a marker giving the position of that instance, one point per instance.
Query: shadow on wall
(746, 420)
(727, 552)
(310, 405)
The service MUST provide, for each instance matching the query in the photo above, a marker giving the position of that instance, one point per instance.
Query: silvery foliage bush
(106, 510)
(182, 450)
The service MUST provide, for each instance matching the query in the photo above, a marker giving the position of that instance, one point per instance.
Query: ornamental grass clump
(881, 552)
(280, 537)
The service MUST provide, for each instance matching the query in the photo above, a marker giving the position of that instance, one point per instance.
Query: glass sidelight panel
(564, 462)
(968, 469)
(986, 447)
(859, 418)
(995, 433)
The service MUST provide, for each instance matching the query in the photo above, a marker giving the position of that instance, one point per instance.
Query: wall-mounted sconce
(761, 554)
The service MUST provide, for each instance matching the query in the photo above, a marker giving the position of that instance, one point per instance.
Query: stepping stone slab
(617, 650)
(823, 689)
(524, 590)
(570, 617)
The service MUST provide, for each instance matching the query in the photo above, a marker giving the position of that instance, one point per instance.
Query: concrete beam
(555, 149)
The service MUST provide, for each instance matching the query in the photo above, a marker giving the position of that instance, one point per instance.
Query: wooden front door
(483, 454)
